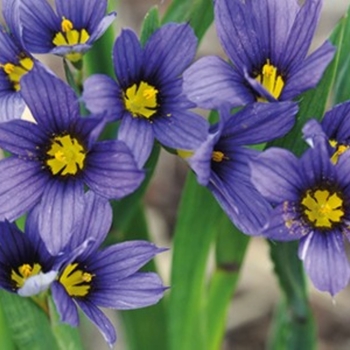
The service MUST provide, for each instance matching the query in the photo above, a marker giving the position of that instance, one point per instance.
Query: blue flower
(56, 157)
(221, 162)
(15, 62)
(148, 94)
(26, 267)
(267, 41)
(311, 201)
(70, 32)
(107, 278)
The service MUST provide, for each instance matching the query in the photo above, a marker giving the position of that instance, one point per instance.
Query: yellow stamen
(16, 72)
(24, 271)
(218, 156)
(66, 155)
(269, 79)
(323, 208)
(141, 101)
(339, 150)
(76, 282)
(70, 36)
(184, 153)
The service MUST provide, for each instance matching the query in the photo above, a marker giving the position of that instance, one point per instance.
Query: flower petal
(133, 292)
(61, 208)
(275, 173)
(37, 283)
(211, 81)
(181, 130)
(65, 305)
(101, 94)
(21, 186)
(127, 58)
(11, 105)
(169, 51)
(325, 260)
(111, 170)
(137, 133)
(97, 317)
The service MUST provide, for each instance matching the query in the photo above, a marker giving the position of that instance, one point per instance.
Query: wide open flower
(26, 267)
(56, 157)
(267, 41)
(15, 62)
(221, 162)
(69, 32)
(148, 94)
(312, 203)
(104, 278)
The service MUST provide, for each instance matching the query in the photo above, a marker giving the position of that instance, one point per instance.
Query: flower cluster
(61, 173)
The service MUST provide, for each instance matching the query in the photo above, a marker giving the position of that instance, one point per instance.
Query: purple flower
(15, 62)
(221, 163)
(107, 278)
(69, 32)
(148, 94)
(311, 199)
(26, 267)
(267, 42)
(56, 157)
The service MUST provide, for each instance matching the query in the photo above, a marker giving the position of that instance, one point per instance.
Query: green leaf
(67, 337)
(231, 247)
(198, 218)
(6, 341)
(28, 323)
(150, 24)
(199, 14)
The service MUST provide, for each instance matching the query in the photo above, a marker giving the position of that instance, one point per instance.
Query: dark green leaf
(150, 24)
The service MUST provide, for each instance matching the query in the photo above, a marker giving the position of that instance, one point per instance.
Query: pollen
(339, 150)
(66, 156)
(323, 208)
(76, 282)
(23, 272)
(270, 80)
(141, 100)
(218, 156)
(15, 72)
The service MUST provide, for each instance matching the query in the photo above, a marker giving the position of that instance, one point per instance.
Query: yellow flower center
(24, 271)
(70, 36)
(270, 80)
(76, 282)
(218, 156)
(339, 150)
(323, 208)
(66, 155)
(15, 73)
(141, 101)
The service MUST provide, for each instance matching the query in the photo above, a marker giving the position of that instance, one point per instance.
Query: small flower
(221, 162)
(26, 267)
(312, 203)
(15, 62)
(69, 32)
(148, 94)
(56, 157)
(104, 278)
(267, 42)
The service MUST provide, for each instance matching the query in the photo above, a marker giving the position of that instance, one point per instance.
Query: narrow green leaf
(231, 247)
(195, 232)
(145, 328)
(28, 323)
(70, 78)
(198, 13)
(67, 337)
(6, 341)
(150, 24)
